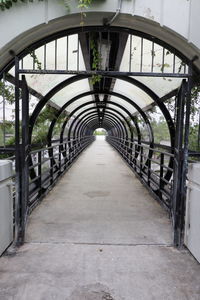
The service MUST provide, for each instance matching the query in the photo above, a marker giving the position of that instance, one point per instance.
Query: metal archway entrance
(118, 68)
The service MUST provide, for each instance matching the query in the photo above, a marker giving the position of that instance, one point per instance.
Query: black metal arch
(98, 28)
(32, 174)
(73, 79)
(117, 122)
(169, 122)
(146, 120)
(93, 121)
(94, 125)
(88, 109)
(106, 126)
(109, 102)
(114, 116)
(115, 126)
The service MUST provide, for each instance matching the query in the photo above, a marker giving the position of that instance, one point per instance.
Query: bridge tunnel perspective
(71, 83)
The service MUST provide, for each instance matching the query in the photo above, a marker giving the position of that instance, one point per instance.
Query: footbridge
(125, 70)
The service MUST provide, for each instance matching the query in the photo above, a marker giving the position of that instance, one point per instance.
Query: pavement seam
(101, 244)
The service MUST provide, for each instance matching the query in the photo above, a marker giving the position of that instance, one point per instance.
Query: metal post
(40, 173)
(185, 158)
(178, 180)
(17, 153)
(161, 174)
(24, 158)
(141, 160)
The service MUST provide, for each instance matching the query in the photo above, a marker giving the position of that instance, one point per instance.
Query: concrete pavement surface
(99, 235)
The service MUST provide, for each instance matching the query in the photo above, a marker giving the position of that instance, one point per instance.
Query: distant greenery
(100, 132)
(41, 126)
(8, 127)
(160, 127)
(7, 91)
(160, 130)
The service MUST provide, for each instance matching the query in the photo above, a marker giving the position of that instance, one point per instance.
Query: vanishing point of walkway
(99, 235)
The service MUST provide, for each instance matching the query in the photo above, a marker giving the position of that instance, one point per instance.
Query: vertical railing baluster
(65, 156)
(148, 171)
(141, 159)
(141, 58)
(78, 47)
(33, 58)
(67, 53)
(152, 59)
(161, 174)
(60, 160)
(135, 156)
(39, 159)
(56, 49)
(174, 63)
(131, 54)
(163, 60)
(51, 167)
(45, 56)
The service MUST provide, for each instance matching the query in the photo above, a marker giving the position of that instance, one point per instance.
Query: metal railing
(153, 166)
(48, 164)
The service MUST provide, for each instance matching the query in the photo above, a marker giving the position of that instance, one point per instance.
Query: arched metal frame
(76, 30)
(117, 122)
(84, 111)
(134, 105)
(181, 164)
(80, 120)
(86, 126)
(63, 84)
(118, 125)
(93, 123)
(109, 108)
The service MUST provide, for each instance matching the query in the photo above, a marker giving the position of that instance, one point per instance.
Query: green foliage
(42, 125)
(84, 3)
(99, 132)
(164, 66)
(7, 91)
(6, 128)
(160, 130)
(5, 155)
(40, 135)
(7, 4)
(96, 60)
(36, 60)
(10, 141)
(193, 138)
(47, 114)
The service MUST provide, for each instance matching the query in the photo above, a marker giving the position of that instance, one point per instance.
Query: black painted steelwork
(150, 173)
(37, 171)
(49, 168)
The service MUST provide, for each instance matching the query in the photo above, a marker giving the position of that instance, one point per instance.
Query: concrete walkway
(99, 235)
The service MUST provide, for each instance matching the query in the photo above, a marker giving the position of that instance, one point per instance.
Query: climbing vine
(96, 60)
(82, 4)
(7, 92)
(7, 4)
(36, 60)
